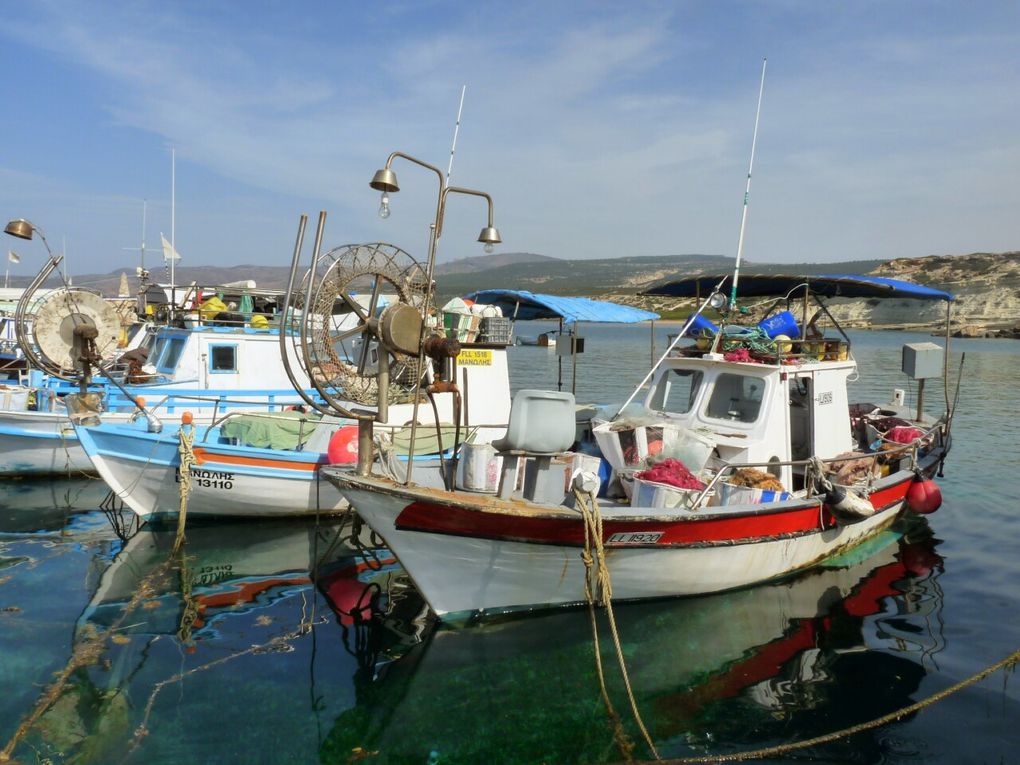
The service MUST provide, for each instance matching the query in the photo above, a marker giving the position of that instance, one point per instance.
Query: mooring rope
(189, 610)
(186, 435)
(598, 589)
(828, 738)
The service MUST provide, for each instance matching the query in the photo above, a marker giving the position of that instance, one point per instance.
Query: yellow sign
(475, 357)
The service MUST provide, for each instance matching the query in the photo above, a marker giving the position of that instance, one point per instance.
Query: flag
(13, 257)
(169, 253)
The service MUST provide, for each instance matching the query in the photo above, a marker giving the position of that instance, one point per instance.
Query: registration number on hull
(635, 538)
(208, 479)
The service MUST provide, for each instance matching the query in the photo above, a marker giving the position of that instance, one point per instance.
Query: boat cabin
(757, 413)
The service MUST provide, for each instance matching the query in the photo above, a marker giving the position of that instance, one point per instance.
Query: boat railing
(913, 447)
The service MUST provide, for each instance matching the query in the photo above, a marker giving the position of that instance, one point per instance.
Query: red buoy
(924, 496)
(343, 446)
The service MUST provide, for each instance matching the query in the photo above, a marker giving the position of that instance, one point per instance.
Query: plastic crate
(496, 330)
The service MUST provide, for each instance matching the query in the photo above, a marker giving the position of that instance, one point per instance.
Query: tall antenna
(142, 248)
(747, 191)
(449, 167)
(173, 211)
(456, 130)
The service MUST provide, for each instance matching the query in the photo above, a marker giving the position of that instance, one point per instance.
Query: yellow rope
(187, 438)
(189, 611)
(772, 751)
(598, 588)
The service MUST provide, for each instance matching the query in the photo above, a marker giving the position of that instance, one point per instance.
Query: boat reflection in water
(310, 644)
(238, 591)
(46, 506)
(840, 644)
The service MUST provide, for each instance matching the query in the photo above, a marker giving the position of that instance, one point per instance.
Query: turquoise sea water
(291, 642)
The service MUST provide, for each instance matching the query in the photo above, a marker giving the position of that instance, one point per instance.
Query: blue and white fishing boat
(208, 356)
(260, 464)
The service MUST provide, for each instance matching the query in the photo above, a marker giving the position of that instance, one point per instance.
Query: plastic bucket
(698, 324)
(782, 323)
(479, 468)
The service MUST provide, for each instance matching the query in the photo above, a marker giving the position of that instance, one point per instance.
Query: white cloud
(609, 132)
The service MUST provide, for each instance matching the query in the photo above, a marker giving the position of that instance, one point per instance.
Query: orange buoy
(343, 446)
(187, 418)
(140, 400)
(924, 496)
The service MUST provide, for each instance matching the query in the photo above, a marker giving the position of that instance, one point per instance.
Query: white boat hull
(143, 470)
(471, 568)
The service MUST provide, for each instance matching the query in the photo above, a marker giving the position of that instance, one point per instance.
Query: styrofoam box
(13, 398)
(622, 448)
(745, 495)
(653, 494)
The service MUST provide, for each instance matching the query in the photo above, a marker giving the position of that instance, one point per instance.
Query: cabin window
(678, 391)
(171, 355)
(222, 359)
(736, 397)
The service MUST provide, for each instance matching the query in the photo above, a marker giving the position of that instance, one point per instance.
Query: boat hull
(468, 558)
(143, 470)
(40, 444)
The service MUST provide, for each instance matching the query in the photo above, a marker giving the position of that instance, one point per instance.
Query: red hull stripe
(458, 520)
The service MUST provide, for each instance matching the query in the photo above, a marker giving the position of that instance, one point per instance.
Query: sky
(600, 129)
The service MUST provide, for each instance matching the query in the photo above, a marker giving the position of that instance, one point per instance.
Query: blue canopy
(524, 305)
(826, 285)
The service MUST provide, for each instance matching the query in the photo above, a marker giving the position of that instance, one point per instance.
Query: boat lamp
(20, 228)
(489, 237)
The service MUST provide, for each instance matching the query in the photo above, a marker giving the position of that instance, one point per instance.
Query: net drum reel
(73, 330)
(361, 331)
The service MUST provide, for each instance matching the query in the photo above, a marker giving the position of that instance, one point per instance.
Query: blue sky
(888, 129)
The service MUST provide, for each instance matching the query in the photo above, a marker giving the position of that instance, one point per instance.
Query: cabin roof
(826, 285)
(524, 305)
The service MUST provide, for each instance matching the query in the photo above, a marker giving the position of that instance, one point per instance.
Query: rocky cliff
(986, 286)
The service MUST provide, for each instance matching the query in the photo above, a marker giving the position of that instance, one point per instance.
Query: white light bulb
(384, 206)
(488, 248)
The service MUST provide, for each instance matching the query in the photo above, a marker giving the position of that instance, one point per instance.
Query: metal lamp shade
(20, 228)
(490, 235)
(384, 180)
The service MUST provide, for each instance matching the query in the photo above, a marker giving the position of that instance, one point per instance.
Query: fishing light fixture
(717, 300)
(24, 229)
(385, 181)
(489, 236)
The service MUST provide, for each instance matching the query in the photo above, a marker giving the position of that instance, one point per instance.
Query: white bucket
(479, 468)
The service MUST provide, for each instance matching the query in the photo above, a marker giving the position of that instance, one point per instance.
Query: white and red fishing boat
(740, 459)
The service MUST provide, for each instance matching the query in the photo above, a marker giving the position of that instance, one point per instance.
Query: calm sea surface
(292, 643)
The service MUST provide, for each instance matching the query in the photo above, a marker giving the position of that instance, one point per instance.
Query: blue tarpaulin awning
(826, 285)
(523, 305)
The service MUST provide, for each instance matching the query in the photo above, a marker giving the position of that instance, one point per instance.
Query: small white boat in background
(262, 464)
(208, 357)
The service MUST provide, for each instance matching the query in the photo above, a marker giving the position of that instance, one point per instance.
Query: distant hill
(480, 263)
(618, 276)
(987, 284)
